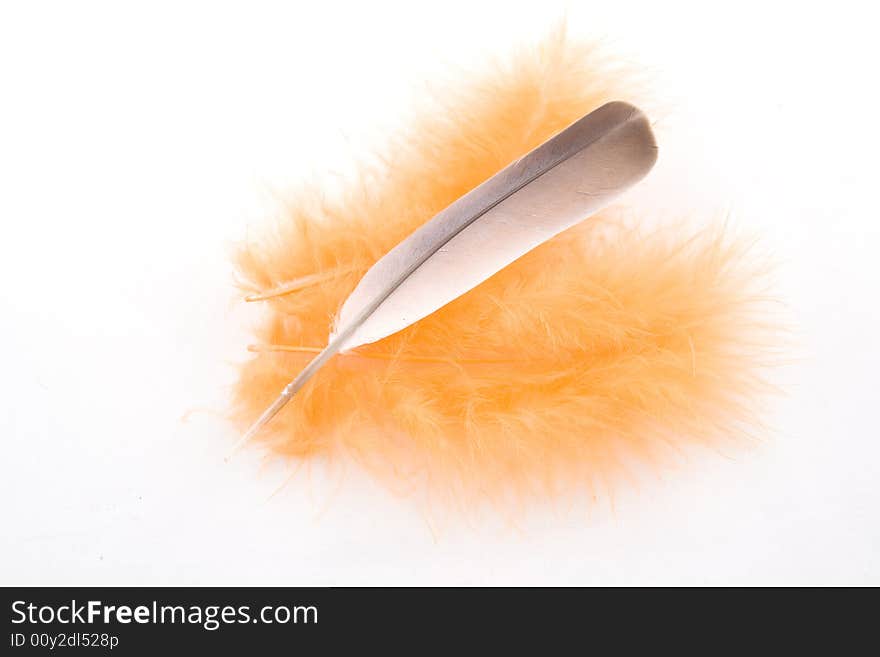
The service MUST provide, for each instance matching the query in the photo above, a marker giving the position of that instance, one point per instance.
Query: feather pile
(607, 347)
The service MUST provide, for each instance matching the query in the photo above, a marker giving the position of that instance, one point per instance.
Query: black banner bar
(151, 621)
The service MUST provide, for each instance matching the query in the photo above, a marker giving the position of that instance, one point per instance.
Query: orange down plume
(605, 348)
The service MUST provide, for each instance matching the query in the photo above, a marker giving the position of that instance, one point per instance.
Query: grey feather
(559, 184)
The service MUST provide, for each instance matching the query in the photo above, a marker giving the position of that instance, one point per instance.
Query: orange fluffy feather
(605, 347)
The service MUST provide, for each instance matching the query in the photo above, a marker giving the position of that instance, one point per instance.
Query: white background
(138, 142)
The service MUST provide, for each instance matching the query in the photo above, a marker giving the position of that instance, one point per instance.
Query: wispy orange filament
(260, 348)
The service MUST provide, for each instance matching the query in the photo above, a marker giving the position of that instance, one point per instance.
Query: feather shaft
(289, 391)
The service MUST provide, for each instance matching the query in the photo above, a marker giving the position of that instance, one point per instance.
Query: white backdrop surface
(137, 144)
